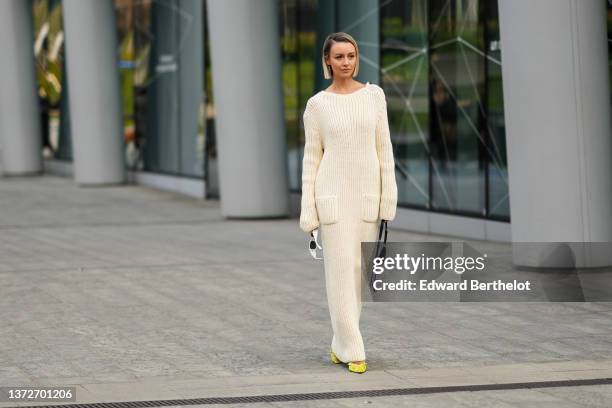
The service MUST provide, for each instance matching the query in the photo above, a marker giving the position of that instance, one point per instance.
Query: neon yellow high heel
(353, 367)
(334, 358)
(358, 367)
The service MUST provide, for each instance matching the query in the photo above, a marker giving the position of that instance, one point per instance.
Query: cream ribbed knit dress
(348, 185)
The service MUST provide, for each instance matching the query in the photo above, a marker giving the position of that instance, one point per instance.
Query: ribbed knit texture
(348, 185)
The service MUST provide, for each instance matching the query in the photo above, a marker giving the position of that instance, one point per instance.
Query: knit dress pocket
(369, 207)
(327, 209)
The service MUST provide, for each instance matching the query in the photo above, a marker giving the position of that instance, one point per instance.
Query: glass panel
(610, 41)
(440, 66)
(191, 73)
(50, 76)
(210, 144)
(124, 13)
(290, 65)
(458, 130)
(308, 42)
(361, 19)
(142, 38)
(162, 138)
(304, 25)
(610, 46)
(162, 81)
(499, 200)
(404, 77)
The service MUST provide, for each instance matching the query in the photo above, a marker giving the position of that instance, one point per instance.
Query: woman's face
(342, 58)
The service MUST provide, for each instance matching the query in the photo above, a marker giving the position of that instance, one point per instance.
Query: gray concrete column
(250, 130)
(95, 103)
(557, 112)
(20, 132)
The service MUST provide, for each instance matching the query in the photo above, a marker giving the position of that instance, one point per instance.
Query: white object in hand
(315, 234)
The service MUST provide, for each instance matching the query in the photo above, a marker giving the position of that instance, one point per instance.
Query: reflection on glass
(49, 55)
(290, 65)
(206, 133)
(303, 26)
(161, 48)
(498, 197)
(457, 85)
(404, 77)
(440, 67)
(124, 12)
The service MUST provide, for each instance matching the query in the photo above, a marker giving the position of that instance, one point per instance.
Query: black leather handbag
(380, 249)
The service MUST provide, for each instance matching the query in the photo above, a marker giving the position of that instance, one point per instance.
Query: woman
(348, 185)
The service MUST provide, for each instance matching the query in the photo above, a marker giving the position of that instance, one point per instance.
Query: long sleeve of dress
(384, 149)
(313, 152)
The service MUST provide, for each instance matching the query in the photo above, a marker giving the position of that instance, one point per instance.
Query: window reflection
(304, 23)
(440, 67)
(161, 48)
(404, 76)
(457, 88)
(290, 64)
(497, 170)
(50, 77)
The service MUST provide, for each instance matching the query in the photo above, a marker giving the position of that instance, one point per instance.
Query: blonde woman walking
(348, 185)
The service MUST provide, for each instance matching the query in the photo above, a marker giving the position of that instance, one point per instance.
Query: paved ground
(132, 293)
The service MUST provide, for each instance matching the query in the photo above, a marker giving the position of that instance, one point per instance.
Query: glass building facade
(164, 72)
(439, 62)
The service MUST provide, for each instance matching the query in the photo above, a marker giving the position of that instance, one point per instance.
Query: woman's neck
(347, 84)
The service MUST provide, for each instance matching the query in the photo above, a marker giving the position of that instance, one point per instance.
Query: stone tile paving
(124, 283)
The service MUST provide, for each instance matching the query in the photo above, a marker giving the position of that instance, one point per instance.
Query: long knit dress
(348, 185)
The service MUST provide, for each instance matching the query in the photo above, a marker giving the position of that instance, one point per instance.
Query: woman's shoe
(334, 358)
(358, 367)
